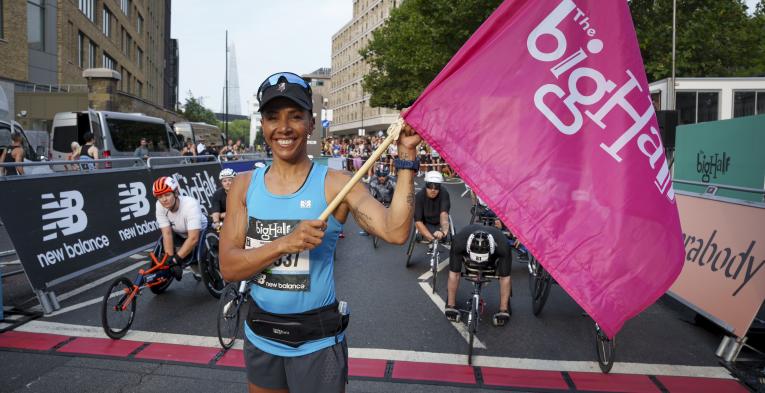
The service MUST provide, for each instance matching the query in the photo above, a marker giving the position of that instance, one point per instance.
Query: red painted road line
(101, 346)
(178, 353)
(533, 379)
(32, 341)
(613, 382)
(701, 385)
(434, 372)
(373, 368)
(232, 358)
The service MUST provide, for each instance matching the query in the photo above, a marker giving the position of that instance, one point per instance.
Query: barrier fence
(65, 224)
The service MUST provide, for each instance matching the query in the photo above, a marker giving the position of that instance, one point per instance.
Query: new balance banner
(546, 113)
(69, 224)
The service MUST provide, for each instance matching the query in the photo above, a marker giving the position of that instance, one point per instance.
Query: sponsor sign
(66, 225)
(723, 273)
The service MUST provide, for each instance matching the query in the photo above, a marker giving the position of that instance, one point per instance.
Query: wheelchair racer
(480, 245)
(218, 209)
(431, 208)
(182, 223)
(382, 186)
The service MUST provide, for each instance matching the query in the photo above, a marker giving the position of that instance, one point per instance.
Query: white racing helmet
(480, 246)
(434, 177)
(226, 174)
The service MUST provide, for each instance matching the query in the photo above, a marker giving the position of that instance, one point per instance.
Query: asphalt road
(391, 310)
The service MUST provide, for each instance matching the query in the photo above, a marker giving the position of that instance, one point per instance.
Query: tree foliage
(714, 38)
(194, 111)
(239, 129)
(415, 43)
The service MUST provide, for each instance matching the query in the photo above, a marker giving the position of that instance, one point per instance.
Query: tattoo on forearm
(410, 199)
(362, 218)
(444, 224)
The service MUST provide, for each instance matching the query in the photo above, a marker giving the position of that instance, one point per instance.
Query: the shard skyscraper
(234, 101)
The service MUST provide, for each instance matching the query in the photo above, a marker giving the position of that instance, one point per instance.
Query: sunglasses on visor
(273, 80)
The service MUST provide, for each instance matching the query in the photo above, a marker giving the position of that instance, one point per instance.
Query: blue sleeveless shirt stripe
(293, 283)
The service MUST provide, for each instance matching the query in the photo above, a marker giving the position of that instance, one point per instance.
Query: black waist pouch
(296, 329)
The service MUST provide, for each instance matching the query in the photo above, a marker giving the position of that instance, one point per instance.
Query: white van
(200, 132)
(30, 154)
(117, 134)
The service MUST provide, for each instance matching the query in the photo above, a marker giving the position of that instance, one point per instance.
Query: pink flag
(546, 113)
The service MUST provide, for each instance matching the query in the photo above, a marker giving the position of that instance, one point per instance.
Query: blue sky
(270, 36)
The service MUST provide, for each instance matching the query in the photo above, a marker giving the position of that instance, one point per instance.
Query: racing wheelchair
(119, 304)
(433, 251)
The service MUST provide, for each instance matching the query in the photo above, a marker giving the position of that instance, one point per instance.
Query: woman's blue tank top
(294, 283)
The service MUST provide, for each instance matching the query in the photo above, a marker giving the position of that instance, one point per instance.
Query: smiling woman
(272, 234)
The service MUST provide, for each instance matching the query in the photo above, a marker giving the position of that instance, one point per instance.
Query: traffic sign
(325, 123)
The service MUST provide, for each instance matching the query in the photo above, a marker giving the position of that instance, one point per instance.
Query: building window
(127, 42)
(125, 7)
(697, 106)
(106, 24)
(139, 24)
(748, 103)
(139, 58)
(80, 49)
(36, 24)
(138, 89)
(88, 7)
(2, 25)
(91, 54)
(108, 62)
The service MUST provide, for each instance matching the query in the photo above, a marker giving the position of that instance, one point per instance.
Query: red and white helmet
(164, 184)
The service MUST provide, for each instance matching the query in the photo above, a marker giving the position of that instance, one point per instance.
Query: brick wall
(14, 59)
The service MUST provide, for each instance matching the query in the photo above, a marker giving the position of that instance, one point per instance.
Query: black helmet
(480, 246)
(382, 171)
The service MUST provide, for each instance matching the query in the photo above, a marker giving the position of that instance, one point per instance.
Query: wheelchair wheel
(434, 270)
(472, 327)
(605, 350)
(410, 248)
(116, 315)
(209, 266)
(229, 307)
(540, 283)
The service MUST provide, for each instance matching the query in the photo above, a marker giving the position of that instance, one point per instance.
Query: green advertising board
(727, 152)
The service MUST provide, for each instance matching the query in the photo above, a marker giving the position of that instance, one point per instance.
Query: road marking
(13, 262)
(137, 256)
(441, 304)
(38, 326)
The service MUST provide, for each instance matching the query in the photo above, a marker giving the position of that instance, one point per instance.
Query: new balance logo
(133, 196)
(67, 214)
(305, 204)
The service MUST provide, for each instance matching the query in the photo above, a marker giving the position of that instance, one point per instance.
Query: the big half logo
(65, 212)
(133, 200)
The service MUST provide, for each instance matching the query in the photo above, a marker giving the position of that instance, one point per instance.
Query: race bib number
(290, 272)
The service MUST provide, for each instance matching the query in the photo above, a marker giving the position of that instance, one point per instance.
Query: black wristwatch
(407, 164)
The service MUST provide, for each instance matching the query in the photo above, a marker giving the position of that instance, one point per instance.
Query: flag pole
(393, 132)
(673, 104)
